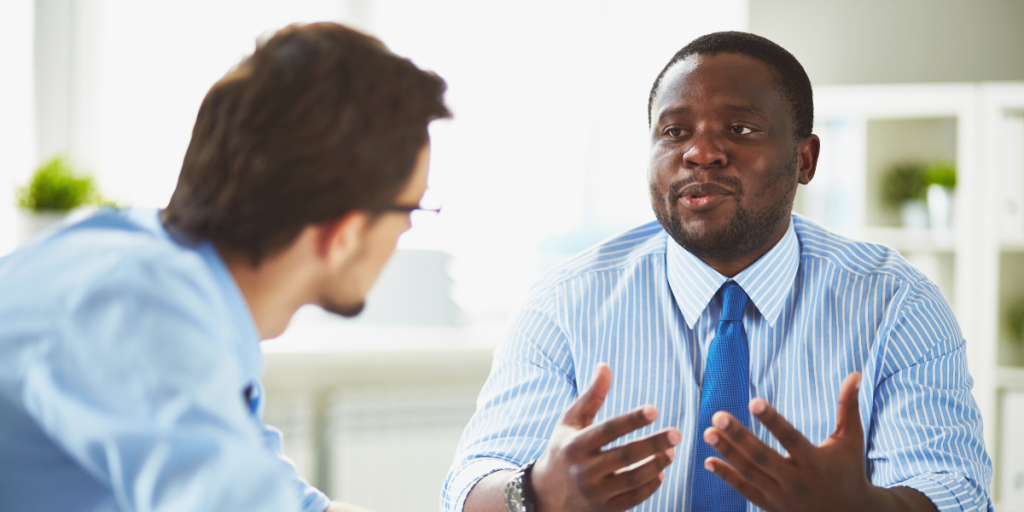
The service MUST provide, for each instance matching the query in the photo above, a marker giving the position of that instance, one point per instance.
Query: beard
(347, 311)
(746, 232)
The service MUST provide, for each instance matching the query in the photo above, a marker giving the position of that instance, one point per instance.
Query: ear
(807, 157)
(341, 238)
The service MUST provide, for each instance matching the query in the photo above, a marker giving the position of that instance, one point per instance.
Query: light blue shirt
(128, 379)
(821, 306)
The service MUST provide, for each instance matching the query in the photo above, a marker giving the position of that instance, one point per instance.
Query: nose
(704, 151)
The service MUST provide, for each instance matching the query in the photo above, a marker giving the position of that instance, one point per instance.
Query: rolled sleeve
(927, 429)
(949, 491)
(532, 381)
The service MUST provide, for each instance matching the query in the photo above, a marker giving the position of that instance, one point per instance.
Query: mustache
(705, 185)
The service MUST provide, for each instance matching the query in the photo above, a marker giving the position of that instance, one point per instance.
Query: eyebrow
(672, 112)
(751, 109)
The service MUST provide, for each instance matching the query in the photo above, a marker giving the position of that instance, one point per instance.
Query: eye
(740, 130)
(675, 132)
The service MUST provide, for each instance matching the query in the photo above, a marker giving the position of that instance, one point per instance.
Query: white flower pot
(31, 224)
(914, 215)
(940, 208)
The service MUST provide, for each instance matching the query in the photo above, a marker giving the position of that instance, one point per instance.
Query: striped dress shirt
(821, 306)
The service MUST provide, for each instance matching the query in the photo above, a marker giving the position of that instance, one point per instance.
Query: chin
(345, 310)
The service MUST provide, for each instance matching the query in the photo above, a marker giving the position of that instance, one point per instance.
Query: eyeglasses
(410, 209)
(418, 215)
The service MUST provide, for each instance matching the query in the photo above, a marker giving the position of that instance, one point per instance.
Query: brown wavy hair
(319, 121)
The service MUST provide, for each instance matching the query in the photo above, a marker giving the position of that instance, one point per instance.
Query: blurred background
(919, 103)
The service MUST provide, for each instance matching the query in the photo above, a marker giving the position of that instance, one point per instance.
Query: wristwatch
(519, 495)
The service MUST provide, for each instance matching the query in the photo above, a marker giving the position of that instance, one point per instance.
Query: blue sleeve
(136, 382)
(532, 381)
(926, 427)
(311, 498)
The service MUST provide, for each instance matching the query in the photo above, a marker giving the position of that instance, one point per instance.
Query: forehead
(722, 79)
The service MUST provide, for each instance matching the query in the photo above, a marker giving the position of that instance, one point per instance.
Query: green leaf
(55, 186)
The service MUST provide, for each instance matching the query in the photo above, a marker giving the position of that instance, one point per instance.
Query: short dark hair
(792, 78)
(319, 121)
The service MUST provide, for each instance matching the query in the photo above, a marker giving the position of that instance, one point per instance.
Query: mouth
(703, 196)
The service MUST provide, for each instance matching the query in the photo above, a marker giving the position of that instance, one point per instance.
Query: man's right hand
(577, 474)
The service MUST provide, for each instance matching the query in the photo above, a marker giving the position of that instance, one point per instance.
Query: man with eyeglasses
(731, 356)
(129, 342)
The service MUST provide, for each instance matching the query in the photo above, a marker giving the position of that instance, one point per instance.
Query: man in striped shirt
(859, 396)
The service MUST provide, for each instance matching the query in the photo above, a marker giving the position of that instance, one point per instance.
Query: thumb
(582, 411)
(848, 425)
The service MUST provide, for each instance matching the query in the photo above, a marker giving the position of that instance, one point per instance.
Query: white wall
(17, 120)
(549, 138)
(890, 41)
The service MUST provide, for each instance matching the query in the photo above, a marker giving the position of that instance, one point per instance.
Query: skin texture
(722, 130)
(332, 265)
(725, 163)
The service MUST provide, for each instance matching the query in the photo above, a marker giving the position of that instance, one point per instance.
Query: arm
(531, 383)
(576, 473)
(140, 388)
(924, 450)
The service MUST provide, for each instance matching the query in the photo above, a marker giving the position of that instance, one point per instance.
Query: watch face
(514, 494)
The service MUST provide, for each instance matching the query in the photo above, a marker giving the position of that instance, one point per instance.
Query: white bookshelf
(979, 263)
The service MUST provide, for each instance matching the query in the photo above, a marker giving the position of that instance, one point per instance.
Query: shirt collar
(767, 281)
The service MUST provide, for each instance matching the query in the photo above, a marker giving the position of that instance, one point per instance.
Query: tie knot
(734, 301)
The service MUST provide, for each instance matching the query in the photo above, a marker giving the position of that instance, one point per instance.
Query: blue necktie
(726, 388)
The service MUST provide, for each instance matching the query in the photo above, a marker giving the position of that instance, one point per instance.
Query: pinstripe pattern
(821, 306)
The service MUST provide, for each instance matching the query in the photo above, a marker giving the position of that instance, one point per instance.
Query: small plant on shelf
(904, 189)
(55, 187)
(942, 174)
(904, 182)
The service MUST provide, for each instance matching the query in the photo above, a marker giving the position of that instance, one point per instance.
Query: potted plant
(904, 188)
(54, 190)
(940, 180)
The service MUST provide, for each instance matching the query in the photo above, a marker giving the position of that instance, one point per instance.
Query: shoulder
(106, 258)
(854, 258)
(618, 254)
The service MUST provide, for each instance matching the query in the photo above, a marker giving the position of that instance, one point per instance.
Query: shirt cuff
(949, 492)
(455, 494)
(313, 500)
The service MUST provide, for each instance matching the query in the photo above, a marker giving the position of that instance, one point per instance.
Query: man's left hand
(811, 478)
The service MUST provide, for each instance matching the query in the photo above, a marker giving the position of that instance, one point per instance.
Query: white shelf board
(910, 240)
(1012, 245)
(1010, 377)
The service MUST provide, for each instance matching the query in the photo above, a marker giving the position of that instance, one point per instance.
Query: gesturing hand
(811, 478)
(576, 474)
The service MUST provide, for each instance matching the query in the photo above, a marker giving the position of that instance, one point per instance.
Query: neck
(274, 289)
(729, 267)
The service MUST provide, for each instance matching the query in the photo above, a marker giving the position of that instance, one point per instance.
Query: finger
(735, 480)
(630, 499)
(848, 418)
(753, 448)
(739, 461)
(635, 477)
(600, 434)
(633, 452)
(583, 410)
(791, 439)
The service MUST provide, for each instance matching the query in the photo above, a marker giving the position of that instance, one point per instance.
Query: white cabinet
(979, 264)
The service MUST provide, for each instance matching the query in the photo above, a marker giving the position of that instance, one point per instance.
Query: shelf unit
(979, 263)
